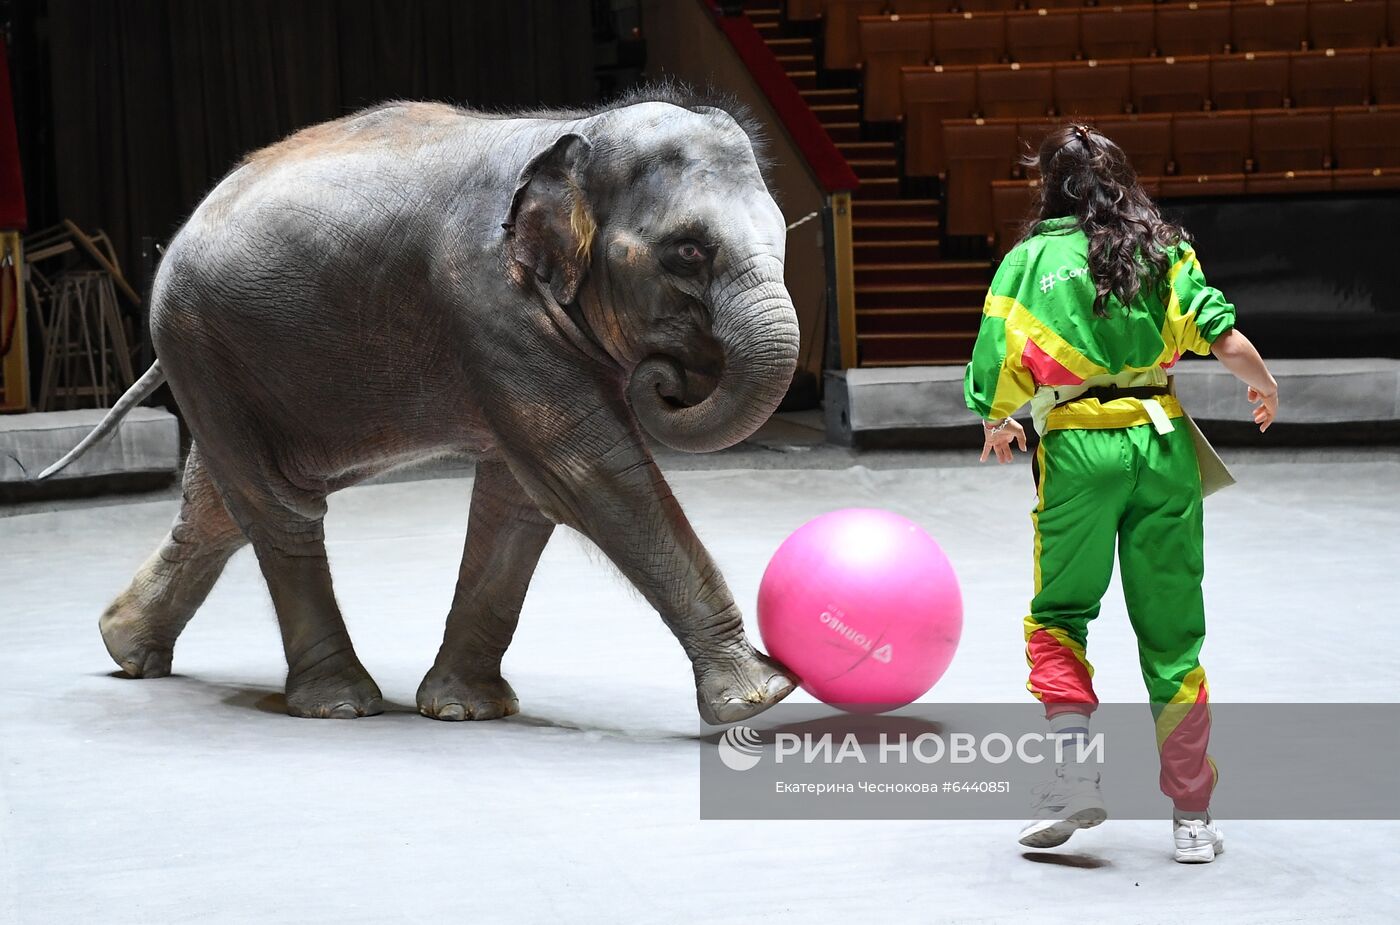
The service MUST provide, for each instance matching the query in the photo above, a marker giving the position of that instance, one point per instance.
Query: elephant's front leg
(616, 496)
(506, 533)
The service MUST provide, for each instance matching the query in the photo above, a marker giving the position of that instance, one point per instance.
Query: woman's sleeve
(997, 384)
(1197, 313)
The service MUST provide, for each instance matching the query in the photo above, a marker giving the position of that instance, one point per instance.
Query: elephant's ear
(549, 231)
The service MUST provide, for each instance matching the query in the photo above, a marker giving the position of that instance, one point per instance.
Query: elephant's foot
(443, 695)
(343, 691)
(140, 645)
(734, 689)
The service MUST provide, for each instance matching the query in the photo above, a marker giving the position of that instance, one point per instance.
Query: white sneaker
(1067, 803)
(1198, 841)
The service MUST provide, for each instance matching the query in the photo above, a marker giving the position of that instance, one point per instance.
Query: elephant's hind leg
(141, 626)
(506, 533)
(325, 678)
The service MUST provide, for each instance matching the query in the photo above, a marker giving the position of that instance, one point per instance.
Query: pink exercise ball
(864, 607)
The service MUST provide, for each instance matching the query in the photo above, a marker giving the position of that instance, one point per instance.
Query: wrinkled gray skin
(416, 280)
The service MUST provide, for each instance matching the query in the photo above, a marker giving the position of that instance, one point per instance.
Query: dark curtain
(154, 100)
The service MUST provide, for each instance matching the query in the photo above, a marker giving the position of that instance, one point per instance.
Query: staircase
(912, 307)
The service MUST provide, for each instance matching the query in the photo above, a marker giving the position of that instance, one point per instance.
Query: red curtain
(12, 211)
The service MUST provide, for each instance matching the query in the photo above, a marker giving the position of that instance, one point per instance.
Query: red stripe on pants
(1188, 776)
(1058, 677)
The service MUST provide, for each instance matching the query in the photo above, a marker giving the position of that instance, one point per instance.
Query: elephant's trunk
(757, 327)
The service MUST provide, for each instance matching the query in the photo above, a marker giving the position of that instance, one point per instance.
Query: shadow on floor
(1086, 861)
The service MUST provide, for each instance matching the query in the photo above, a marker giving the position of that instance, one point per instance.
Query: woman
(1084, 318)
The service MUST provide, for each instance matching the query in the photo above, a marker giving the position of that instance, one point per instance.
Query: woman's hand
(997, 437)
(1238, 355)
(1265, 406)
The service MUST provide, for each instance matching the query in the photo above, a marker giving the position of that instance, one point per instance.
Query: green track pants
(1141, 490)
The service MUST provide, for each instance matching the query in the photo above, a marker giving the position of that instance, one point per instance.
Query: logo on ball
(740, 748)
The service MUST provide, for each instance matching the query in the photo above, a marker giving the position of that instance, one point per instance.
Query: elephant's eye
(685, 258)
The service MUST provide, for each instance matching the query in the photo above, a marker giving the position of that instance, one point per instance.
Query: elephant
(530, 290)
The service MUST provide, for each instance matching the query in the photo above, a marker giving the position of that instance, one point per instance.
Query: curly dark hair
(1084, 174)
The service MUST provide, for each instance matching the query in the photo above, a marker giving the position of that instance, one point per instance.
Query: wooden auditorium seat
(1330, 78)
(920, 7)
(1015, 90)
(841, 31)
(1385, 74)
(1363, 179)
(1366, 136)
(1269, 25)
(1145, 139)
(1192, 28)
(1042, 35)
(1290, 182)
(1291, 140)
(1093, 87)
(1253, 80)
(1171, 84)
(1183, 155)
(1030, 133)
(1116, 32)
(1205, 143)
(1346, 23)
(1225, 184)
(1012, 201)
(930, 7)
(805, 10)
(978, 153)
(969, 38)
(931, 95)
(888, 43)
(979, 6)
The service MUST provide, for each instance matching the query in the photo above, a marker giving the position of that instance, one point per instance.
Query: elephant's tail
(139, 392)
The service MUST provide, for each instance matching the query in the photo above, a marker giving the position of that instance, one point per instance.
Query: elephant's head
(653, 225)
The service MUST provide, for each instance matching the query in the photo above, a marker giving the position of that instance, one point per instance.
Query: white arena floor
(194, 799)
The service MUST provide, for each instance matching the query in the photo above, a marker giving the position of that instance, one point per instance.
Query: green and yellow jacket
(1040, 340)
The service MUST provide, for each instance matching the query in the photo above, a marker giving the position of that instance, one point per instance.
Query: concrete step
(144, 451)
(925, 395)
